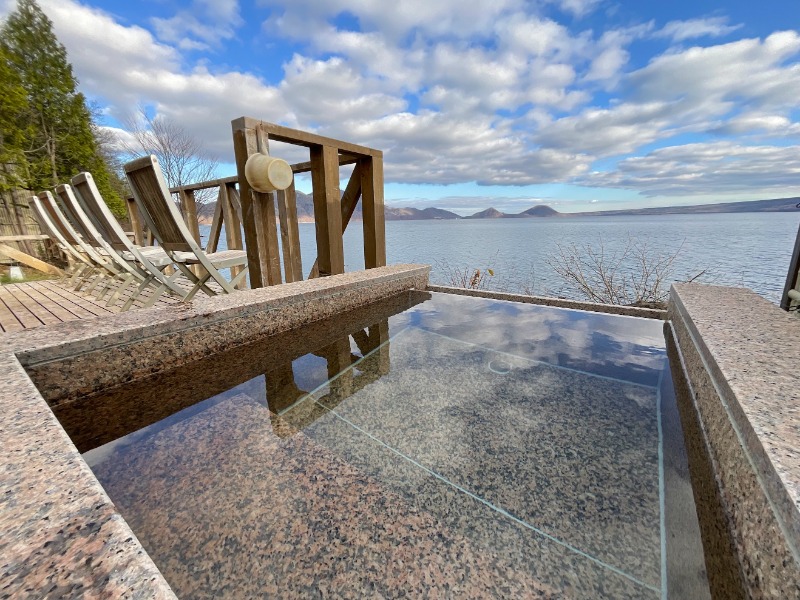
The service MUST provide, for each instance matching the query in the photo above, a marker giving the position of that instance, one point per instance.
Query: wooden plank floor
(39, 303)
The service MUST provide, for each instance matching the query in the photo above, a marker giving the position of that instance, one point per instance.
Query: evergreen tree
(60, 137)
(13, 132)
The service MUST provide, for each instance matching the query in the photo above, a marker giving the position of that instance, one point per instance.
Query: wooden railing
(254, 213)
(332, 212)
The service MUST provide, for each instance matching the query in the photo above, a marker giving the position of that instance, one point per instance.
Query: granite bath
(360, 435)
(475, 448)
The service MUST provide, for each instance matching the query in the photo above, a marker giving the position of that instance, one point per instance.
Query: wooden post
(372, 208)
(339, 361)
(216, 223)
(793, 275)
(136, 222)
(258, 210)
(349, 201)
(189, 210)
(290, 236)
(327, 211)
(189, 206)
(282, 389)
(233, 225)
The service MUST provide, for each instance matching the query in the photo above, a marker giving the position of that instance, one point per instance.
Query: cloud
(578, 8)
(679, 31)
(205, 24)
(497, 93)
(694, 90)
(710, 168)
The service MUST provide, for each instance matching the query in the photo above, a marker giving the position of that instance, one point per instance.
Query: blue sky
(579, 104)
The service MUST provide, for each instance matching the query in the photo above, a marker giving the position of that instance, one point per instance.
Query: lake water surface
(750, 249)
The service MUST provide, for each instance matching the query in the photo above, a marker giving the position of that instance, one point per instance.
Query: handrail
(789, 300)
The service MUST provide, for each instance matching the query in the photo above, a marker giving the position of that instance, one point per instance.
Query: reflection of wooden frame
(283, 394)
(332, 213)
(142, 402)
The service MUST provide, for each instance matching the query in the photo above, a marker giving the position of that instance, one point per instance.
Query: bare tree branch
(632, 275)
(183, 158)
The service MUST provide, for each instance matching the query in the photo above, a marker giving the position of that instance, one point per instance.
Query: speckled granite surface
(60, 536)
(448, 469)
(741, 356)
(526, 440)
(611, 309)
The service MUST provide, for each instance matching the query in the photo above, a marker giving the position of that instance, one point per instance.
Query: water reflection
(428, 442)
(347, 372)
(266, 369)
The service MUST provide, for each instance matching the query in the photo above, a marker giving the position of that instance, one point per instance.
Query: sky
(577, 104)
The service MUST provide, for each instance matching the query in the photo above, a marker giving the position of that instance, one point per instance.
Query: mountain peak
(489, 213)
(540, 211)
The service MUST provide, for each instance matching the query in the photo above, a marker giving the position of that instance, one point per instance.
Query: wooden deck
(39, 303)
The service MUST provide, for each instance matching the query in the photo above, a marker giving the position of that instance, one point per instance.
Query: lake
(747, 249)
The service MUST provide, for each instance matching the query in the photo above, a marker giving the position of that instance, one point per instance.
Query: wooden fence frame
(332, 213)
(255, 213)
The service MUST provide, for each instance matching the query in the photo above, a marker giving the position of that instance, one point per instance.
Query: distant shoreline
(779, 205)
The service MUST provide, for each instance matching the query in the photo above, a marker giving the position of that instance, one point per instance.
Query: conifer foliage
(46, 130)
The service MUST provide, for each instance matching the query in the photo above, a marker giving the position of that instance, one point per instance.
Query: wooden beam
(290, 236)
(344, 159)
(233, 226)
(258, 212)
(233, 198)
(327, 211)
(203, 185)
(279, 133)
(19, 238)
(348, 205)
(373, 212)
(28, 260)
(216, 224)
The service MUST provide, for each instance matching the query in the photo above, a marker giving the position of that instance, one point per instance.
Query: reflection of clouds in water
(552, 335)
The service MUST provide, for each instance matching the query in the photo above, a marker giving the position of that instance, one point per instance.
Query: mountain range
(305, 210)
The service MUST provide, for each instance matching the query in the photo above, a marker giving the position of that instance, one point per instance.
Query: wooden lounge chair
(79, 263)
(139, 266)
(152, 196)
(107, 273)
(151, 258)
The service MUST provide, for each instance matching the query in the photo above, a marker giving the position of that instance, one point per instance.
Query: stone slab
(740, 356)
(60, 535)
(613, 309)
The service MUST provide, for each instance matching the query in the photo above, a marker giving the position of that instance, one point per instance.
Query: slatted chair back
(92, 202)
(152, 196)
(75, 220)
(91, 235)
(47, 225)
(58, 219)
